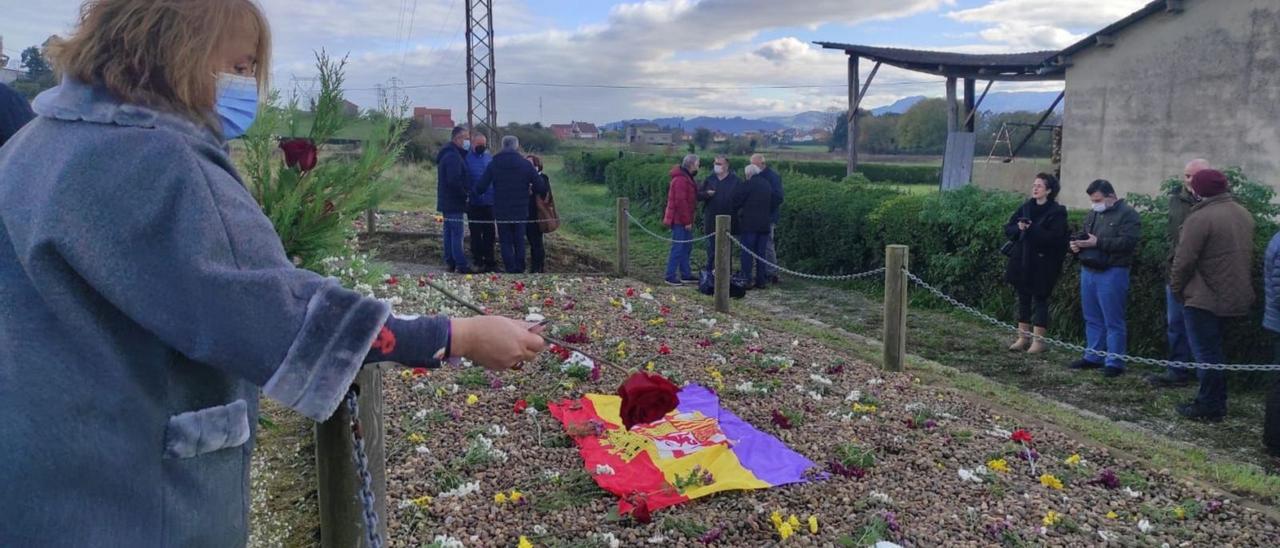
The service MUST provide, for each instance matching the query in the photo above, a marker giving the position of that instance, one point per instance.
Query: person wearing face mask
(512, 179)
(532, 231)
(1105, 250)
(1212, 278)
(775, 213)
(1181, 201)
(717, 193)
(480, 207)
(148, 302)
(682, 198)
(1038, 231)
(453, 184)
(752, 201)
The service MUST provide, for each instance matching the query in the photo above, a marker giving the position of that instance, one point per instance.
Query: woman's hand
(1023, 225)
(495, 342)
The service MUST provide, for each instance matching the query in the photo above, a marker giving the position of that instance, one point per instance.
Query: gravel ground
(916, 465)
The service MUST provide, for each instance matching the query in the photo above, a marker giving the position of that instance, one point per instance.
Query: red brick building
(434, 117)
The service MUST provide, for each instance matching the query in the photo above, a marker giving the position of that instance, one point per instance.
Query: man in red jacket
(682, 197)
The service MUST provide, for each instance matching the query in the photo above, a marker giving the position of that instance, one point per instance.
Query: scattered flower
(664, 349)
(422, 502)
(417, 438)
(813, 525)
(472, 399)
(1112, 515)
(1021, 436)
(1073, 460)
(1051, 518)
(999, 465)
(863, 409)
(1144, 526)
(1051, 482)
(1132, 494)
(524, 542)
(500, 498)
(604, 470)
(785, 531)
(1179, 512)
(848, 471)
(711, 536)
(1107, 479)
(969, 475)
(520, 406)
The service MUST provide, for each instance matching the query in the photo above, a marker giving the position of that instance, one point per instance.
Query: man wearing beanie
(1211, 278)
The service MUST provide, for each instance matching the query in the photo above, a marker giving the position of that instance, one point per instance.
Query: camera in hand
(1079, 236)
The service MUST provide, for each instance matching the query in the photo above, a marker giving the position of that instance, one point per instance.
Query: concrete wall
(1201, 83)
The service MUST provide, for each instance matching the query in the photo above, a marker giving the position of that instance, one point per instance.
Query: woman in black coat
(1038, 234)
(533, 232)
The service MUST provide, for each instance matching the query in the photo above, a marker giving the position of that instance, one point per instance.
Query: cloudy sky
(671, 57)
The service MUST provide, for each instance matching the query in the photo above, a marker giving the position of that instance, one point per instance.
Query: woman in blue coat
(145, 301)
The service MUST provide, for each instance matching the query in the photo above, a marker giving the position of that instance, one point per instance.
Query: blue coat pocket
(195, 433)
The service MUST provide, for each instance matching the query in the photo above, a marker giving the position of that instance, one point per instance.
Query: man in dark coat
(1112, 230)
(514, 180)
(1038, 230)
(775, 212)
(752, 201)
(717, 193)
(452, 186)
(1180, 203)
(480, 207)
(14, 113)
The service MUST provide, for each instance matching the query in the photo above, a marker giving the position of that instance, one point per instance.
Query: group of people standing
(499, 195)
(754, 203)
(1208, 275)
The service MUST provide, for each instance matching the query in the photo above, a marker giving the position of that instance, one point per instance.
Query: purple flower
(891, 520)
(1029, 452)
(711, 536)
(840, 469)
(595, 372)
(1213, 506)
(835, 370)
(495, 382)
(780, 420)
(1107, 479)
(996, 530)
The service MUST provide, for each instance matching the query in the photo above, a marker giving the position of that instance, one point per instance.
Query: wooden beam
(867, 84)
(851, 122)
(953, 113)
(1034, 129)
(1105, 40)
(968, 105)
(978, 104)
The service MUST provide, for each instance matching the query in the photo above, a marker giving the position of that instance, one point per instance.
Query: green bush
(589, 165)
(903, 174)
(842, 227)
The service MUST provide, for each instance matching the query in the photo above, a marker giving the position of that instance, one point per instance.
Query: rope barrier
(664, 238)
(608, 214)
(1078, 348)
(826, 277)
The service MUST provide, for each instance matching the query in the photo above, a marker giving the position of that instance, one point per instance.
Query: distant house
(719, 137)
(575, 130)
(351, 110)
(648, 134)
(434, 117)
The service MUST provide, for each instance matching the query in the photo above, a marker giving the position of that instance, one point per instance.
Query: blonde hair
(159, 52)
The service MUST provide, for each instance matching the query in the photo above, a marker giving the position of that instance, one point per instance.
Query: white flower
(421, 414)
(604, 470)
(534, 317)
(709, 322)
(608, 540)
(854, 395)
(445, 541)
(461, 490)
(880, 497)
(873, 382)
(577, 359)
(816, 396)
(1132, 494)
(626, 306)
(539, 529)
(1000, 433)
(820, 379)
(795, 342)
(531, 411)
(497, 430)
(1106, 537)
(1144, 526)
(968, 475)
(719, 358)
(422, 450)
(658, 539)
(646, 296)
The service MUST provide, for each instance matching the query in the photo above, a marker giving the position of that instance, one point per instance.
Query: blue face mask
(237, 104)
(466, 144)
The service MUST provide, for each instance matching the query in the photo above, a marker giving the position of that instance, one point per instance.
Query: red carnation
(386, 341)
(1021, 436)
(422, 282)
(549, 302)
(631, 292)
(519, 286)
(646, 397)
(299, 153)
(664, 310)
(521, 405)
(393, 280)
(421, 372)
(664, 349)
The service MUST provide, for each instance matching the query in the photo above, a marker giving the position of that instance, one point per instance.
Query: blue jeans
(757, 242)
(511, 239)
(1103, 296)
(1176, 333)
(1204, 333)
(678, 259)
(453, 229)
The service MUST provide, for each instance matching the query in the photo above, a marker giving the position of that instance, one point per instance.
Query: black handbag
(1007, 248)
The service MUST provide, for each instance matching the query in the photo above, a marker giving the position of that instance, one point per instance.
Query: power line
(659, 87)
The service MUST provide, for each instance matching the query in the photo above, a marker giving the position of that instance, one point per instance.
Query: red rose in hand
(646, 398)
(299, 154)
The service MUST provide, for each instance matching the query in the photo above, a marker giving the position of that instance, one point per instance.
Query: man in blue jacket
(514, 181)
(1271, 322)
(775, 184)
(14, 113)
(452, 186)
(480, 209)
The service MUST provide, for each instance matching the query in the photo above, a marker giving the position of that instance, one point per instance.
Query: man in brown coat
(1211, 277)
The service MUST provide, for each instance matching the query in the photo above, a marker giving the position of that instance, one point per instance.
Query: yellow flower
(1073, 460)
(999, 465)
(417, 438)
(1052, 518)
(1112, 515)
(422, 502)
(1051, 482)
(657, 321)
(648, 367)
(595, 333)
(716, 334)
(813, 525)
(472, 399)
(793, 521)
(524, 542)
(516, 495)
(785, 531)
(717, 378)
(406, 374)
(776, 518)
(1180, 512)
(500, 498)
(615, 302)
(858, 407)
(439, 391)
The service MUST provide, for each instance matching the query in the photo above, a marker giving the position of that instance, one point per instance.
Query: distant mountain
(898, 107)
(736, 124)
(1014, 101)
(812, 119)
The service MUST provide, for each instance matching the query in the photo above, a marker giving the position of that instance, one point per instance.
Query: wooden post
(370, 219)
(623, 235)
(969, 118)
(895, 307)
(953, 112)
(341, 512)
(724, 262)
(851, 140)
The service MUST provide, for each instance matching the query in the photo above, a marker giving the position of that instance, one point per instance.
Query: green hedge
(590, 166)
(903, 174)
(955, 239)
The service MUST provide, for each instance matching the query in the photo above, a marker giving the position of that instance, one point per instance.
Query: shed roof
(982, 66)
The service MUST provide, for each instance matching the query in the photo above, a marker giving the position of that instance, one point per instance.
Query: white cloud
(1043, 24)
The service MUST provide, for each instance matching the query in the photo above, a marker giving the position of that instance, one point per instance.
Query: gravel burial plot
(904, 462)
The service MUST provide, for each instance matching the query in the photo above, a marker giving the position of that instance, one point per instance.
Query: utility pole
(482, 96)
(539, 109)
(394, 84)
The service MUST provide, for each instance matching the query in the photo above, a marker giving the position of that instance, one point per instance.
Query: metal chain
(1085, 350)
(664, 238)
(362, 469)
(780, 268)
(608, 214)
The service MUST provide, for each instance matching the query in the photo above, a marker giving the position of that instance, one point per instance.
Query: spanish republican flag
(696, 450)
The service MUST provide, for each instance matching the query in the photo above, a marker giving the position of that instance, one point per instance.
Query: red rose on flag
(646, 397)
(299, 153)
(1021, 436)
